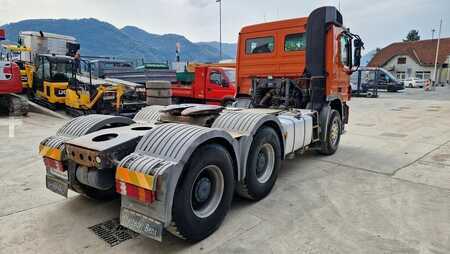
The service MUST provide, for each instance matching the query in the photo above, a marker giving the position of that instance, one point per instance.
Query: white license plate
(57, 186)
(141, 224)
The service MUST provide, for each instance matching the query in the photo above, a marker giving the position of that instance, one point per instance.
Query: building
(415, 59)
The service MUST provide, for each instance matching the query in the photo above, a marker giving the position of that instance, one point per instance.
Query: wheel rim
(334, 132)
(207, 191)
(265, 163)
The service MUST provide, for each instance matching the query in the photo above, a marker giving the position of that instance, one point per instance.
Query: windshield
(231, 74)
(55, 71)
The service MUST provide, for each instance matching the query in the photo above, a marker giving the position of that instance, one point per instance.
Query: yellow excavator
(87, 95)
(50, 80)
(60, 82)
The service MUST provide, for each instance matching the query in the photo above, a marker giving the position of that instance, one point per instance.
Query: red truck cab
(211, 85)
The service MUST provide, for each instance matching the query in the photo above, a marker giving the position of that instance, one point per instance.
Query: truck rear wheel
(333, 136)
(204, 194)
(262, 165)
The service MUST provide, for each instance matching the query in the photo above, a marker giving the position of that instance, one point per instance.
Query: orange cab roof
(281, 24)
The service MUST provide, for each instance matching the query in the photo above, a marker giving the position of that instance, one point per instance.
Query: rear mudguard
(246, 124)
(163, 154)
(53, 146)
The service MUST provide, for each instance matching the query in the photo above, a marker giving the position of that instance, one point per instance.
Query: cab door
(218, 86)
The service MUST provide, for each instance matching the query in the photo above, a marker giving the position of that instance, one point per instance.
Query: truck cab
(280, 66)
(211, 85)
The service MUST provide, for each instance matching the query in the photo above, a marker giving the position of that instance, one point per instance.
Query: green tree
(413, 35)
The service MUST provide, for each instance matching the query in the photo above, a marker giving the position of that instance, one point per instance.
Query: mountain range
(98, 38)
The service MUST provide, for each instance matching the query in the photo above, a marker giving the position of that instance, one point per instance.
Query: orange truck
(178, 167)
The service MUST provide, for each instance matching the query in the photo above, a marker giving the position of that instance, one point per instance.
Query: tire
(330, 145)
(411, 86)
(263, 164)
(204, 193)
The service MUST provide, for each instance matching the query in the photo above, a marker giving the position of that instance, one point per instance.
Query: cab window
(295, 42)
(215, 78)
(260, 45)
(345, 50)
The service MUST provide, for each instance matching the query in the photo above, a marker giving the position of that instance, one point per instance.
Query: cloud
(199, 3)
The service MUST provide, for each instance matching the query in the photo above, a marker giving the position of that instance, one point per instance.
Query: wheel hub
(203, 189)
(207, 191)
(334, 134)
(265, 163)
(261, 163)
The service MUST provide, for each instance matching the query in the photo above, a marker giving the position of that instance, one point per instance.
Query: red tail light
(135, 192)
(54, 164)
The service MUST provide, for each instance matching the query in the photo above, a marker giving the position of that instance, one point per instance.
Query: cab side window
(215, 78)
(294, 42)
(260, 45)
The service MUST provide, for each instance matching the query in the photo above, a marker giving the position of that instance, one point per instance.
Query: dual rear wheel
(204, 194)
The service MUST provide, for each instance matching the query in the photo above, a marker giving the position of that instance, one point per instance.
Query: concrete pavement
(387, 190)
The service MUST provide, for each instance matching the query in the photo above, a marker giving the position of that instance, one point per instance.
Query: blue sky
(379, 22)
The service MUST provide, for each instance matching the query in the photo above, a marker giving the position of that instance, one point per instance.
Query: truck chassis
(177, 167)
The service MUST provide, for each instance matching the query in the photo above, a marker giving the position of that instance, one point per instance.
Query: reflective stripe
(135, 178)
(50, 152)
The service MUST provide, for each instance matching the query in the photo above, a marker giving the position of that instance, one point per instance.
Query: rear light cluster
(135, 192)
(54, 164)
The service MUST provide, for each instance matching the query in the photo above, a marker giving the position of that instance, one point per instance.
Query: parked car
(414, 82)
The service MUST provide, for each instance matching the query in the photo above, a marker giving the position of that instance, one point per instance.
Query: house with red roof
(415, 59)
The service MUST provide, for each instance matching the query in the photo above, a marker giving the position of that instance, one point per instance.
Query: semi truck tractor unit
(178, 167)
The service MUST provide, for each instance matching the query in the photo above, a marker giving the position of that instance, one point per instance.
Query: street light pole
(437, 54)
(220, 27)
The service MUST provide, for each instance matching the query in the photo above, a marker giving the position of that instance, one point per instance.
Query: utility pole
(220, 28)
(339, 5)
(448, 70)
(437, 55)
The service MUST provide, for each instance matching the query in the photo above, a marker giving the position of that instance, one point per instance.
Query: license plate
(141, 224)
(57, 186)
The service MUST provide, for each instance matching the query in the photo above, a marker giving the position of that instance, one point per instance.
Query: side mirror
(359, 45)
(225, 83)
